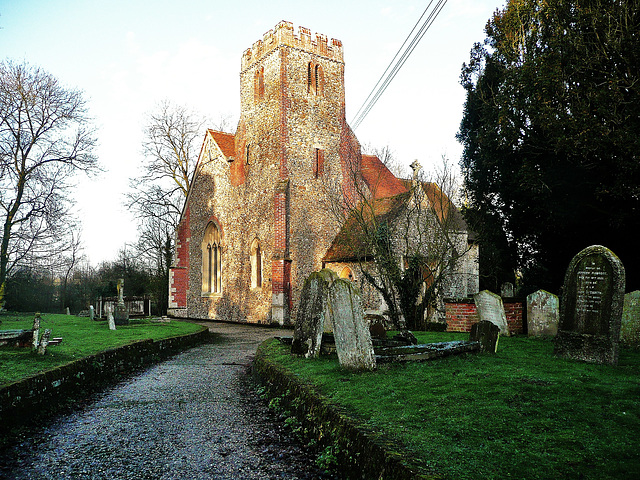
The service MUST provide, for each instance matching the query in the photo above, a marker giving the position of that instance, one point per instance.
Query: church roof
(350, 244)
(390, 195)
(226, 142)
(379, 179)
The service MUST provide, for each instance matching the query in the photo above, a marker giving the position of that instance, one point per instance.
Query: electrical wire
(388, 76)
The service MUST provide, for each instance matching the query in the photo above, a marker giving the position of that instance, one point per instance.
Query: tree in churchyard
(551, 134)
(171, 146)
(408, 245)
(45, 138)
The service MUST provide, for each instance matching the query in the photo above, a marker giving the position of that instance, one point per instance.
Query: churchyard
(81, 337)
(519, 413)
(560, 402)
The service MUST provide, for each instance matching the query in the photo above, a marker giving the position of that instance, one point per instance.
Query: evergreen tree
(551, 135)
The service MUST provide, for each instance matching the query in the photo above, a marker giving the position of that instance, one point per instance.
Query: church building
(255, 222)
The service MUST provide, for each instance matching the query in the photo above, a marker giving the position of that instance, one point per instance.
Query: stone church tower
(255, 223)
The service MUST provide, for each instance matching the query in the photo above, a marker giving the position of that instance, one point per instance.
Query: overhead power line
(399, 59)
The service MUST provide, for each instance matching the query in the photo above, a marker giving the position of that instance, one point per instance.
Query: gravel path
(194, 416)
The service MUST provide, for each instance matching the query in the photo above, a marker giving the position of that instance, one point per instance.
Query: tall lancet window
(315, 79)
(211, 260)
(258, 85)
(256, 264)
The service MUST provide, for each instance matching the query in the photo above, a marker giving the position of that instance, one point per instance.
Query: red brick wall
(179, 273)
(461, 315)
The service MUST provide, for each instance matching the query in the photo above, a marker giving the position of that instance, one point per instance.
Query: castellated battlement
(283, 34)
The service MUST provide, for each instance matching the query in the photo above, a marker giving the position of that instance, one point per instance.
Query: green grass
(521, 413)
(81, 337)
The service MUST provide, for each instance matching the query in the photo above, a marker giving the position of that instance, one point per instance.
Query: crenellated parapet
(284, 34)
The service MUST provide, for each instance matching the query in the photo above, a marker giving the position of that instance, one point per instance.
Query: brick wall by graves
(461, 314)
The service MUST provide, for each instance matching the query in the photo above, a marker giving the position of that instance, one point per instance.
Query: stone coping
(45, 392)
(362, 452)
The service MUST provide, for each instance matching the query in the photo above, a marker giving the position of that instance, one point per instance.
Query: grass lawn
(81, 337)
(521, 413)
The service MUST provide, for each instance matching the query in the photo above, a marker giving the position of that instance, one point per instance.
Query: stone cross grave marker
(630, 326)
(591, 307)
(491, 309)
(311, 318)
(543, 311)
(122, 315)
(351, 331)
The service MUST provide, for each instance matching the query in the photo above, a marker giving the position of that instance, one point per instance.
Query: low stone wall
(361, 453)
(46, 390)
(461, 314)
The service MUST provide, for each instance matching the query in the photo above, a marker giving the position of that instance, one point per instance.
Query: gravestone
(506, 290)
(542, 314)
(491, 309)
(350, 330)
(311, 318)
(68, 311)
(121, 315)
(591, 307)
(630, 324)
(487, 334)
(92, 312)
(110, 320)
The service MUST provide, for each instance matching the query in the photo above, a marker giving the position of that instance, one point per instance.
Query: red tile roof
(379, 179)
(226, 142)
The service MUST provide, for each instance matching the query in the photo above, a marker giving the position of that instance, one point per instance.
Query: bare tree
(173, 136)
(408, 241)
(45, 138)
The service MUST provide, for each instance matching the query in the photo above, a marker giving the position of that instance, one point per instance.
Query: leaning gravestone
(591, 307)
(543, 312)
(487, 334)
(311, 318)
(630, 325)
(491, 309)
(350, 330)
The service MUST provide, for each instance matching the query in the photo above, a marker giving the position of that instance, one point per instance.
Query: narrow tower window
(311, 78)
(319, 80)
(259, 84)
(318, 162)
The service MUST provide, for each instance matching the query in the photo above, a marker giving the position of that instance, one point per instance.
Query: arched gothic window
(315, 79)
(256, 264)
(211, 260)
(319, 74)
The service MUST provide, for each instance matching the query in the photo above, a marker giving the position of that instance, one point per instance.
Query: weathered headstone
(310, 321)
(487, 334)
(36, 332)
(110, 319)
(44, 342)
(68, 311)
(630, 325)
(350, 330)
(91, 312)
(543, 311)
(591, 307)
(506, 290)
(121, 315)
(491, 309)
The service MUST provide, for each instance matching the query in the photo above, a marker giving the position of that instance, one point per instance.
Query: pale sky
(128, 55)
